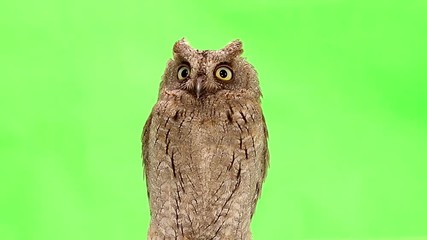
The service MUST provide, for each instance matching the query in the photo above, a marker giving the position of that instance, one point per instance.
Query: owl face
(200, 74)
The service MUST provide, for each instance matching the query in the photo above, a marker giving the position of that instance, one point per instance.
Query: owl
(204, 146)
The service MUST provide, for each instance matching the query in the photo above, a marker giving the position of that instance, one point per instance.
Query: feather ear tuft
(234, 48)
(181, 46)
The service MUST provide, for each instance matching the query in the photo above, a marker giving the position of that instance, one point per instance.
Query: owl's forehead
(204, 57)
(205, 53)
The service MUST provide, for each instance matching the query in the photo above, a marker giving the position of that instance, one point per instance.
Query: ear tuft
(234, 48)
(181, 46)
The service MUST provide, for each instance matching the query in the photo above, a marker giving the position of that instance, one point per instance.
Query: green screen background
(345, 99)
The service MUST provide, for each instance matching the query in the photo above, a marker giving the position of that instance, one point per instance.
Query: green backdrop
(345, 99)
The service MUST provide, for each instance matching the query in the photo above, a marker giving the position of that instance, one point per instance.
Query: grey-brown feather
(205, 159)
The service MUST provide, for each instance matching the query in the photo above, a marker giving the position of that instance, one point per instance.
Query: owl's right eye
(183, 72)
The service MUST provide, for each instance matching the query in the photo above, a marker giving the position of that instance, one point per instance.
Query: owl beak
(199, 85)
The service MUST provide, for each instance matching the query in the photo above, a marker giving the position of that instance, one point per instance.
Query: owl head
(202, 74)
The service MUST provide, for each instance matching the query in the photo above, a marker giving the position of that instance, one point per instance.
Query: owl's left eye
(223, 73)
(183, 72)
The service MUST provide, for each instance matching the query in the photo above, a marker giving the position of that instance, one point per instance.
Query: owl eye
(223, 73)
(183, 72)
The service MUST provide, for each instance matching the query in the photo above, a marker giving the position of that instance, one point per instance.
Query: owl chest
(205, 142)
(193, 142)
(206, 153)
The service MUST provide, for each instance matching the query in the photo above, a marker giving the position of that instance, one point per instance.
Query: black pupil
(223, 73)
(184, 73)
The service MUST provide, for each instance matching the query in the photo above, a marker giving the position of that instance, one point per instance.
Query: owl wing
(145, 151)
(266, 154)
(265, 159)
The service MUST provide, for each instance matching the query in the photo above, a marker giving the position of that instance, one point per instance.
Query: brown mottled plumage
(205, 146)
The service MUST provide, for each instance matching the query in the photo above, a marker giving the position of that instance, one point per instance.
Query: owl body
(205, 147)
